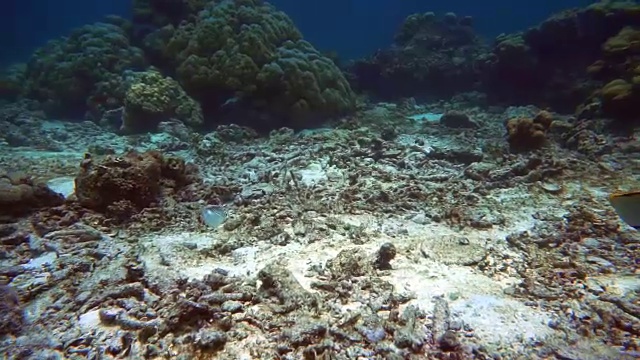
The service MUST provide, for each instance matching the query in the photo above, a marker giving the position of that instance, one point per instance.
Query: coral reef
(246, 54)
(432, 57)
(82, 72)
(547, 64)
(583, 59)
(152, 98)
(619, 72)
(406, 230)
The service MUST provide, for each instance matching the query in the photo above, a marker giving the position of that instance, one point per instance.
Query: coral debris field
(200, 182)
(347, 242)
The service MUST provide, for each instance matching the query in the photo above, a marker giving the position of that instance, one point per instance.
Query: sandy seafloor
(494, 259)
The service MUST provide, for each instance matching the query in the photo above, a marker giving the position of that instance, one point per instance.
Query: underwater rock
(457, 119)
(280, 283)
(211, 339)
(412, 335)
(306, 332)
(122, 186)
(11, 313)
(19, 194)
(449, 341)
(350, 263)
(386, 253)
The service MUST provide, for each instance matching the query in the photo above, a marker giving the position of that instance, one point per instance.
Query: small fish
(627, 205)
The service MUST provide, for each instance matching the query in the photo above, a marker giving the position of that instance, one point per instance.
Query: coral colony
(200, 182)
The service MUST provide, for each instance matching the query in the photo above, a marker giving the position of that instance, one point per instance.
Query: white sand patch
(475, 299)
(496, 319)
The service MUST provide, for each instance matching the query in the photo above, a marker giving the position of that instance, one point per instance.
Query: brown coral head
(525, 134)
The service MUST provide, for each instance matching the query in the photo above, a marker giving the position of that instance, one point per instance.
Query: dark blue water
(353, 28)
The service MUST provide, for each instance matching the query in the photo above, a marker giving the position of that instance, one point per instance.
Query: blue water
(353, 28)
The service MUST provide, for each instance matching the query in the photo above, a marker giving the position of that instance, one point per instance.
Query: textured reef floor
(384, 237)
